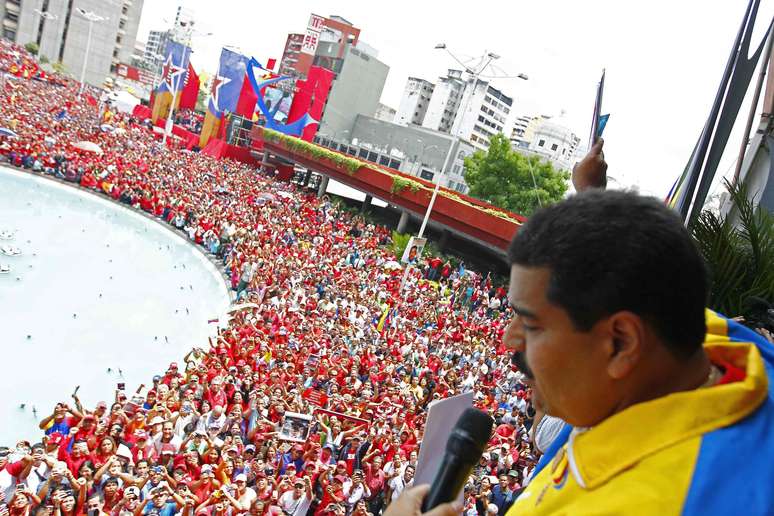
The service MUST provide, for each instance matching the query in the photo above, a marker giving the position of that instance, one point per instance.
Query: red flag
(271, 63)
(247, 99)
(91, 100)
(190, 90)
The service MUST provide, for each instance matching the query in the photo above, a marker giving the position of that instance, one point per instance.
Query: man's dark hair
(609, 251)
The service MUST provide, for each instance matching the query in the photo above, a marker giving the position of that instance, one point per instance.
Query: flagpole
(171, 118)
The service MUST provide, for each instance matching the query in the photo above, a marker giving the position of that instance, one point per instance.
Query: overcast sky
(663, 58)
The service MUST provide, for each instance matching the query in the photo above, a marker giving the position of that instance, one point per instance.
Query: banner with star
(173, 71)
(227, 83)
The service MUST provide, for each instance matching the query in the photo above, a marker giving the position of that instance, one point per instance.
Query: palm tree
(738, 248)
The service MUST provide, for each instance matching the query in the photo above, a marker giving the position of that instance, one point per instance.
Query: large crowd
(312, 399)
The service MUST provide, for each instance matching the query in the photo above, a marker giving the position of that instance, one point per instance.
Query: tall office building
(414, 102)
(62, 33)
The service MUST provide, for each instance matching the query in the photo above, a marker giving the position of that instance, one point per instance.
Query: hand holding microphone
(464, 447)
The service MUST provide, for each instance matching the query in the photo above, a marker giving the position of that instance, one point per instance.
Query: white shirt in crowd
(294, 506)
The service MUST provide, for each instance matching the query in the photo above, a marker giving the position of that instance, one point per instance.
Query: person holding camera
(295, 496)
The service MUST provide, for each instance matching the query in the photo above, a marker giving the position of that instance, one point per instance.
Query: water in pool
(99, 296)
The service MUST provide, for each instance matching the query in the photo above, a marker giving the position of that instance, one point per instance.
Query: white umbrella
(392, 264)
(243, 306)
(4, 131)
(88, 147)
(286, 195)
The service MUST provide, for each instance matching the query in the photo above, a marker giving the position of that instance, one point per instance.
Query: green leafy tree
(739, 251)
(504, 178)
(32, 48)
(59, 67)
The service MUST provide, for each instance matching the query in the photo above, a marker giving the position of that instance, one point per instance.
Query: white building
(414, 102)
(62, 33)
(524, 130)
(384, 112)
(484, 112)
(548, 138)
(472, 112)
(445, 102)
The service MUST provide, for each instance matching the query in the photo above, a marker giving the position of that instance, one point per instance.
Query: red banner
(315, 397)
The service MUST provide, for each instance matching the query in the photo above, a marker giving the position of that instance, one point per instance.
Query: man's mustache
(520, 361)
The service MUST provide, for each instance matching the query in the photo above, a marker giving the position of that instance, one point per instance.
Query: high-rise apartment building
(484, 111)
(156, 45)
(181, 31)
(414, 102)
(472, 111)
(62, 33)
(445, 102)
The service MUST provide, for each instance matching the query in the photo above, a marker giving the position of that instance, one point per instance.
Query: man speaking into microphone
(670, 403)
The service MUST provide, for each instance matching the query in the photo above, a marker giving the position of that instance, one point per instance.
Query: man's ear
(625, 332)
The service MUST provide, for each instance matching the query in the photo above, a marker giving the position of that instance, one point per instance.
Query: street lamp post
(171, 116)
(91, 17)
(475, 73)
(46, 16)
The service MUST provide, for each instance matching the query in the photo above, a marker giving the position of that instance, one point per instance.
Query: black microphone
(463, 450)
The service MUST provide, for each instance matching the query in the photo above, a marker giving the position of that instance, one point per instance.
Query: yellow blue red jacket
(706, 451)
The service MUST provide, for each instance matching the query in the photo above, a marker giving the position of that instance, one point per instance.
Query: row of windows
(490, 124)
(542, 143)
(365, 154)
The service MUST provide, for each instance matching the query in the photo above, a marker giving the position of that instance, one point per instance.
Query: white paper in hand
(441, 417)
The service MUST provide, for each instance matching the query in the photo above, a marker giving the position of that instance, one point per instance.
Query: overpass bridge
(461, 215)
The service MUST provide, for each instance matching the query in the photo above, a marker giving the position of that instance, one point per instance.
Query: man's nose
(513, 338)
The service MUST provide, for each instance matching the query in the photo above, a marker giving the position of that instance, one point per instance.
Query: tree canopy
(502, 177)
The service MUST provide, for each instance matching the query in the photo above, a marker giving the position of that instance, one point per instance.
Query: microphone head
(474, 427)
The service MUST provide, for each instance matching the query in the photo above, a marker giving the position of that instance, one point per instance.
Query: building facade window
(541, 143)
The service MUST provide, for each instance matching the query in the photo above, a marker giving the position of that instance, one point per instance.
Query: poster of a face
(413, 250)
(295, 427)
(278, 103)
